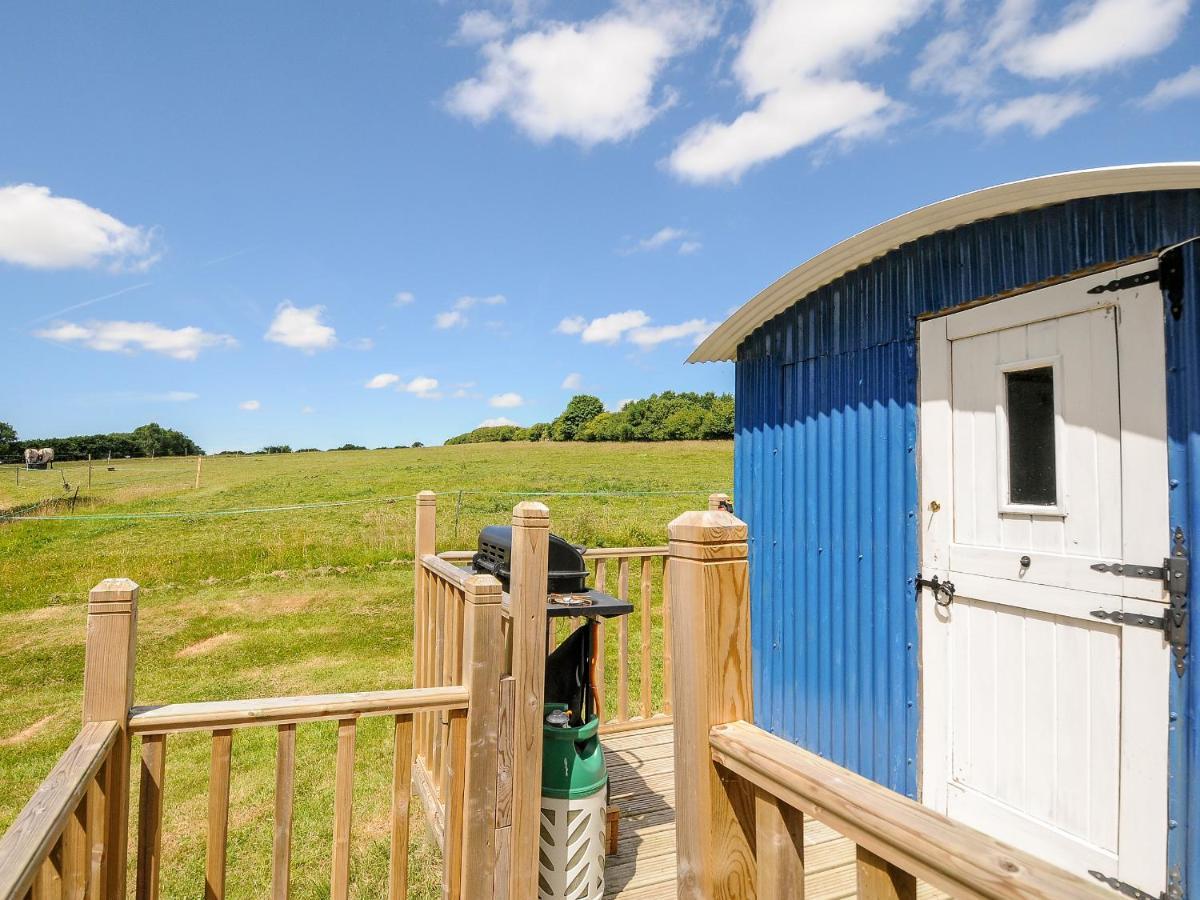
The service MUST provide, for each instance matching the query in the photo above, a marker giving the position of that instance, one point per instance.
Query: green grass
(301, 601)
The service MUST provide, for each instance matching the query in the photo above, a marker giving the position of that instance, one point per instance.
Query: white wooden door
(1043, 452)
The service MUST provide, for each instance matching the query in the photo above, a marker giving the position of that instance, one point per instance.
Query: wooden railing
(57, 846)
(70, 840)
(740, 825)
(155, 723)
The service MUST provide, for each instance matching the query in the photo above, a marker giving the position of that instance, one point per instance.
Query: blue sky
(380, 223)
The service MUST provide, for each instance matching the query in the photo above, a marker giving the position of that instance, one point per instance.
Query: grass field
(293, 601)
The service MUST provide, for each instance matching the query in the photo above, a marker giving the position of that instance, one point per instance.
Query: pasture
(240, 602)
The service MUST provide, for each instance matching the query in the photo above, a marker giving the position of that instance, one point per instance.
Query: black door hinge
(1174, 573)
(1124, 284)
(1169, 275)
(1126, 890)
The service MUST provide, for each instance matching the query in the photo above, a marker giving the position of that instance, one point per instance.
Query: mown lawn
(286, 602)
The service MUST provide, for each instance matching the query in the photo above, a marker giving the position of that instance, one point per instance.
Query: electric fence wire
(327, 504)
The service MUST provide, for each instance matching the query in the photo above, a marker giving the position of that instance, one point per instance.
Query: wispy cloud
(496, 422)
(507, 400)
(129, 337)
(679, 238)
(1183, 86)
(403, 298)
(382, 380)
(1039, 114)
(250, 405)
(632, 325)
(572, 382)
(422, 386)
(456, 316)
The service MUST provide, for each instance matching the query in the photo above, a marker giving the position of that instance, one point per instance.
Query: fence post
(717, 502)
(482, 647)
(109, 660)
(527, 590)
(424, 541)
(711, 641)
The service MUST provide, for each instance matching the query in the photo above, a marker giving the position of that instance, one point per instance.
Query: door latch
(940, 589)
(1174, 573)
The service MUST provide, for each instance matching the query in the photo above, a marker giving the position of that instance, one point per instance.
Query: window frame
(1004, 503)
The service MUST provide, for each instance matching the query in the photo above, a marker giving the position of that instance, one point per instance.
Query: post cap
(531, 513)
(426, 498)
(113, 590)
(708, 527)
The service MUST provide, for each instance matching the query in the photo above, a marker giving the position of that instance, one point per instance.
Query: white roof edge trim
(988, 203)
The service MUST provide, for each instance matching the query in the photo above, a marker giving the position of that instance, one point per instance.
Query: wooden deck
(642, 778)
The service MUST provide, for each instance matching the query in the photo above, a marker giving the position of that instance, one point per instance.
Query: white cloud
(456, 316)
(665, 237)
(572, 382)
(696, 329)
(382, 380)
(571, 325)
(173, 397)
(1098, 36)
(795, 64)
(507, 400)
(608, 329)
(403, 298)
(250, 405)
(300, 328)
(590, 81)
(307, 410)
(619, 405)
(949, 64)
(129, 337)
(478, 26)
(362, 343)
(42, 231)
(423, 387)
(1040, 114)
(1182, 86)
(496, 422)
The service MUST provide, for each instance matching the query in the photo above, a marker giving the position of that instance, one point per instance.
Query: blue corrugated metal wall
(825, 470)
(1183, 440)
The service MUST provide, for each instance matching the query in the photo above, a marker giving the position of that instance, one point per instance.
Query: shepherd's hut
(968, 452)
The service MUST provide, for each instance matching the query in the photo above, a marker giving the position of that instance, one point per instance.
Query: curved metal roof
(988, 203)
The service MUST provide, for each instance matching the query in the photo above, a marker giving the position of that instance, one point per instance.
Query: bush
(660, 417)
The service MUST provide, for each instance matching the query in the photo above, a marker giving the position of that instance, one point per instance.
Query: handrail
(220, 714)
(447, 571)
(589, 553)
(32, 835)
(948, 855)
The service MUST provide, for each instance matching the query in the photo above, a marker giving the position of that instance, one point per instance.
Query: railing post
(481, 678)
(109, 660)
(527, 590)
(718, 502)
(710, 637)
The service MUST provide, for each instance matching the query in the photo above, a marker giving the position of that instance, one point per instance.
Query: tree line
(668, 416)
(150, 439)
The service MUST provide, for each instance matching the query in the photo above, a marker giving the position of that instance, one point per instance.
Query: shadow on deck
(642, 778)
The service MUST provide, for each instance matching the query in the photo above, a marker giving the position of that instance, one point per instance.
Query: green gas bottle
(574, 808)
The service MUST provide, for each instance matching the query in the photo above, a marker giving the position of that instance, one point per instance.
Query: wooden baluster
(285, 788)
(75, 853)
(424, 542)
(714, 818)
(880, 880)
(456, 760)
(601, 653)
(647, 618)
(439, 669)
(150, 803)
(623, 643)
(48, 884)
(402, 753)
(110, 659)
(429, 720)
(780, 835)
(97, 819)
(218, 814)
(668, 708)
(530, 551)
(343, 810)
(481, 677)
(504, 770)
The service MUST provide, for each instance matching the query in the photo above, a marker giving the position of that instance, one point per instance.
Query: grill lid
(567, 571)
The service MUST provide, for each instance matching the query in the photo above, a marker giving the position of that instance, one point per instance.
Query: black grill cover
(567, 575)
